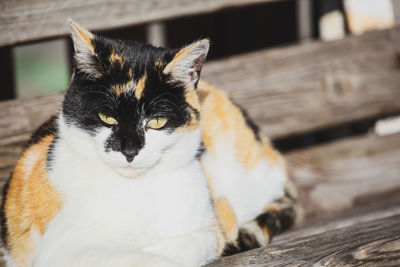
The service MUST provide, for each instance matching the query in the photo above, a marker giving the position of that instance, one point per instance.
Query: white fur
(154, 211)
(248, 191)
(7, 258)
(182, 68)
(83, 50)
(29, 162)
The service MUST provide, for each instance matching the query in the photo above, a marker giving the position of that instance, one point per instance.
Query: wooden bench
(349, 184)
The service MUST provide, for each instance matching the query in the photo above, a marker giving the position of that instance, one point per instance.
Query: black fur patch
(273, 221)
(276, 222)
(270, 220)
(47, 128)
(50, 153)
(287, 217)
(230, 249)
(3, 221)
(245, 241)
(250, 123)
(200, 150)
(161, 98)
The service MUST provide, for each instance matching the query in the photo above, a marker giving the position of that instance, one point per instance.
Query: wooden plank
(38, 19)
(329, 222)
(19, 118)
(341, 175)
(315, 85)
(372, 243)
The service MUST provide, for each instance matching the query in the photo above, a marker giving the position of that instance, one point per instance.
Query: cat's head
(136, 103)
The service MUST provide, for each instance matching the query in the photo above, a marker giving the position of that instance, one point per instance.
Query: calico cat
(144, 165)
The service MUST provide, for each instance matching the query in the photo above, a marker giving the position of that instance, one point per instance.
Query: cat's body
(92, 190)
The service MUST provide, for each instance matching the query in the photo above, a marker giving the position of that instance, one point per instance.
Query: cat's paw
(251, 236)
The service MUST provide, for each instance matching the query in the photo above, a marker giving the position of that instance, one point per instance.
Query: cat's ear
(85, 56)
(186, 66)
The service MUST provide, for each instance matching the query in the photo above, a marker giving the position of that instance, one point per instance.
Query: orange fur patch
(210, 184)
(219, 236)
(32, 202)
(212, 110)
(217, 227)
(178, 57)
(85, 35)
(272, 154)
(227, 218)
(114, 57)
(140, 86)
(159, 64)
(274, 207)
(193, 100)
(267, 233)
(121, 88)
(279, 204)
(223, 120)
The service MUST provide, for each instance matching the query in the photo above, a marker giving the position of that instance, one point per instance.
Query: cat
(144, 165)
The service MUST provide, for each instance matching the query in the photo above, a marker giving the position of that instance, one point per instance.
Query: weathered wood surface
(340, 175)
(286, 90)
(22, 21)
(19, 118)
(374, 242)
(322, 223)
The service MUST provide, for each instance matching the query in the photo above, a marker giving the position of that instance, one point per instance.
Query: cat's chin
(129, 172)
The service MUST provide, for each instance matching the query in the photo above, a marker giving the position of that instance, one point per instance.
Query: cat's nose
(129, 153)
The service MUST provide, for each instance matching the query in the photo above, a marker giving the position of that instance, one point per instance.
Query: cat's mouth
(132, 170)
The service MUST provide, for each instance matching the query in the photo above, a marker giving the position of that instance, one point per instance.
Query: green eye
(156, 123)
(107, 119)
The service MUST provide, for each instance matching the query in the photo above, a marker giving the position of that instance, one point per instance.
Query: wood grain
(22, 21)
(315, 85)
(347, 173)
(372, 243)
(328, 222)
(19, 118)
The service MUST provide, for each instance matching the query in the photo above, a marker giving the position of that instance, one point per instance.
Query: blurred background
(44, 67)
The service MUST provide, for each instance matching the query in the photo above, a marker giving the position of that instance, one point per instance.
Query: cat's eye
(157, 123)
(107, 119)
